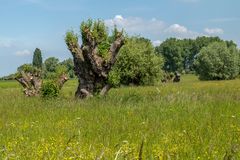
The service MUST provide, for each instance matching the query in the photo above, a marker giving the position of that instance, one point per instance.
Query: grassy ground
(189, 120)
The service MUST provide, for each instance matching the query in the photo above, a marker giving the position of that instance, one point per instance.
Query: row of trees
(50, 67)
(106, 60)
(179, 55)
(140, 63)
(209, 57)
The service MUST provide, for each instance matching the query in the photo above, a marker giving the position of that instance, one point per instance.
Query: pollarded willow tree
(93, 60)
(31, 80)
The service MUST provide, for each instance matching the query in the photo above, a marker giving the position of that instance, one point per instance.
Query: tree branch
(22, 82)
(115, 47)
(90, 52)
(62, 80)
(76, 50)
(96, 61)
(86, 93)
(105, 89)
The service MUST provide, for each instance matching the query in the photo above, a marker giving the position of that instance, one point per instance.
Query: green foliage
(50, 75)
(37, 58)
(53, 68)
(114, 77)
(179, 55)
(61, 69)
(103, 49)
(97, 28)
(201, 42)
(51, 64)
(27, 68)
(71, 38)
(173, 55)
(68, 63)
(50, 89)
(137, 63)
(114, 35)
(94, 32)
(99, 34)
(217, 62)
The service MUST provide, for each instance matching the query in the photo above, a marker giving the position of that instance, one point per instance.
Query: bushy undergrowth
(50, 89)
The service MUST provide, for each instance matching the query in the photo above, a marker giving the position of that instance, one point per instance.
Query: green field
(188, 120)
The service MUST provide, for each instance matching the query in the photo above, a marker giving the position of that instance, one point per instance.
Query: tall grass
(188, 120)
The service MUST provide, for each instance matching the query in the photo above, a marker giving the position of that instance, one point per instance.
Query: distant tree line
(179, 55)
(49, 68)
(209, 57)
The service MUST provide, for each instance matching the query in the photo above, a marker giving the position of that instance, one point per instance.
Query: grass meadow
(187, 120)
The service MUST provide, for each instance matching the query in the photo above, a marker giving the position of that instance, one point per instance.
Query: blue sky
(27, 24)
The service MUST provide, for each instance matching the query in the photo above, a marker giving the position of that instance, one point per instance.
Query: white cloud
(176, 28)
(213, 31)
(153, 28)
(23, 53)
(179, 31)
(136, 25)
(156, 43)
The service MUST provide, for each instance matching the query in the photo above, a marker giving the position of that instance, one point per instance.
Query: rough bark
(62, 80)
(32, 82)
(105, 89)
(90, 68)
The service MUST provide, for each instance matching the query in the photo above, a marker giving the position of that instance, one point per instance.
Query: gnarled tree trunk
(32, 82)
(90, 68)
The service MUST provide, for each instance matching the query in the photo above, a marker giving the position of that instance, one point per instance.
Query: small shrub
(50, 90)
